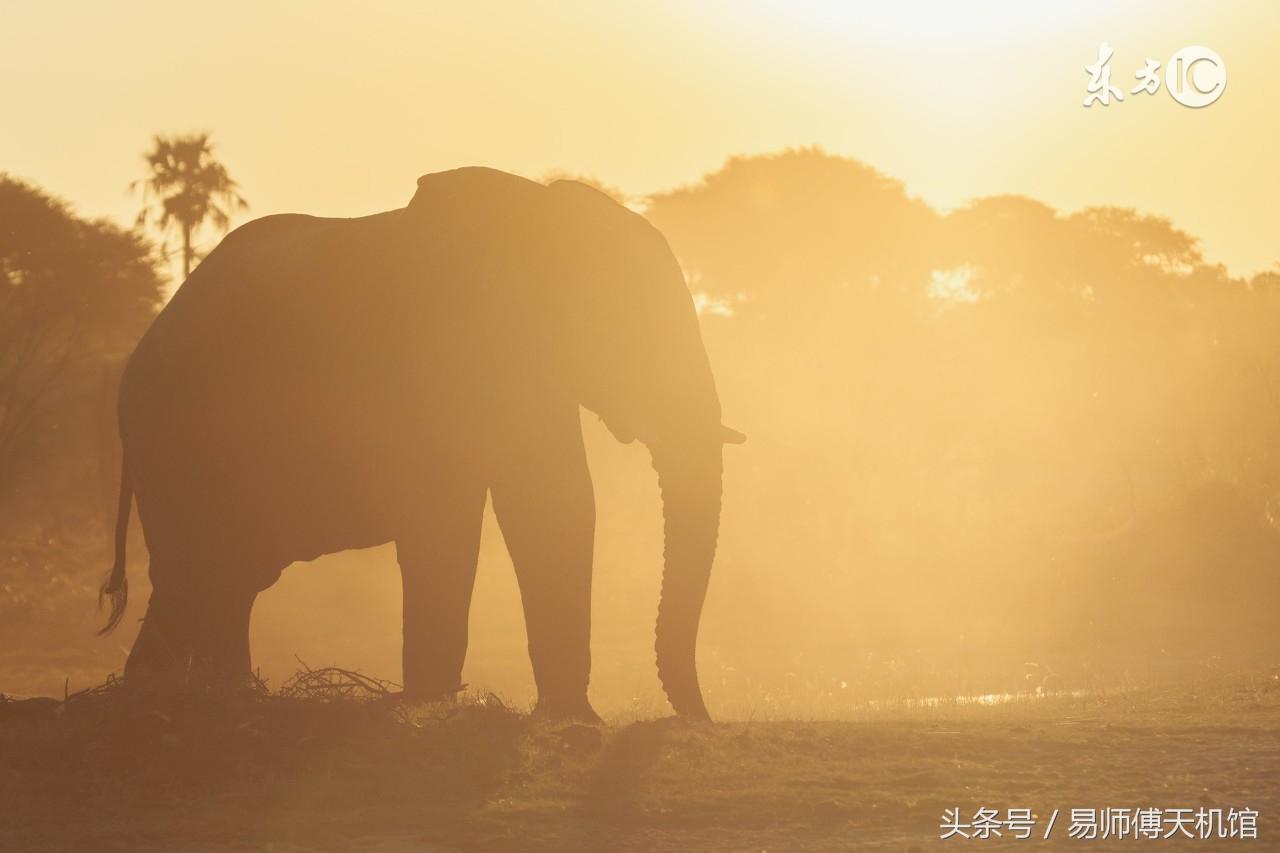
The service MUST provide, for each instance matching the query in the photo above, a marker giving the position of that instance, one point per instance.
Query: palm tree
(185, 189)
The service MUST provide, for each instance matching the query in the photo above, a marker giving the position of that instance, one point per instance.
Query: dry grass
(333, 761)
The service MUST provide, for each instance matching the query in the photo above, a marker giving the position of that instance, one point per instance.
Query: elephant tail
(116, 586)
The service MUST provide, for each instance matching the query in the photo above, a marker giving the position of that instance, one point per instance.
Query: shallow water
(980, 699)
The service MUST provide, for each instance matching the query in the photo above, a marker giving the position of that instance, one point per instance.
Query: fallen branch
(332, 683)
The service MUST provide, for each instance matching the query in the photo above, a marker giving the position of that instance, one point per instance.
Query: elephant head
(614, 312)
(643, 368)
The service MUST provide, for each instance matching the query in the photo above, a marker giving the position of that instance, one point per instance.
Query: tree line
(942, 407)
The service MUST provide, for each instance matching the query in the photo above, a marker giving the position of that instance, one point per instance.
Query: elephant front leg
(543, 499)
(438, 570)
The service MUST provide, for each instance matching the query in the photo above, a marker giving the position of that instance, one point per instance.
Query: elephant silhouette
(321, 384)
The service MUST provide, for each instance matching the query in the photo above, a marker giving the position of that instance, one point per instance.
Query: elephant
(322, 384)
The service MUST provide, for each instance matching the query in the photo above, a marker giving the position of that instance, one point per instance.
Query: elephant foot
(194, 693)
(194, 639)
(576, 710)
(189, 675)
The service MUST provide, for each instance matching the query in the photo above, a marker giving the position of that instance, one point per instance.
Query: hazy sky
(336, 108)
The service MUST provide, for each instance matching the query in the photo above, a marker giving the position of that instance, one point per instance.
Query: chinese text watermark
(1088, 824)
(1195, 76)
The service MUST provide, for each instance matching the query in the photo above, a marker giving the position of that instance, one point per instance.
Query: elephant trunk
(690, 479)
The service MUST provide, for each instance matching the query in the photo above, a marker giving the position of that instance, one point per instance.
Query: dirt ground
(105, 773)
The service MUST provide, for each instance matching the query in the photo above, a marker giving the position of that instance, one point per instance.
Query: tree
(74, 296)
(789, 233)
(186, 188)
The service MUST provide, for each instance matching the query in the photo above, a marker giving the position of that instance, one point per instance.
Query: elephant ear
(568, 185)
(590, 198)
(474, 187)
(604, 225)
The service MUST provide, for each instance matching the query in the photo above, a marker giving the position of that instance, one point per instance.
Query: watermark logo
(1121, 823)
(1195, 77)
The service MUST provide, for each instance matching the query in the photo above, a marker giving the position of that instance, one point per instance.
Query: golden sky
(336, 108)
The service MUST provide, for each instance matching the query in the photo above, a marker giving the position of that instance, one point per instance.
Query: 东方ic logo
(1195, 76)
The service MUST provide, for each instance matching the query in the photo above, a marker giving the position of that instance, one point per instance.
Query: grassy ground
(105, 773)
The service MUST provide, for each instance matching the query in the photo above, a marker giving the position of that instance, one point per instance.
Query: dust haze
(1004, 530)
(1002, 449)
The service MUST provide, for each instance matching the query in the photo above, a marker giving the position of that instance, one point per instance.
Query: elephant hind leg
(193, 632)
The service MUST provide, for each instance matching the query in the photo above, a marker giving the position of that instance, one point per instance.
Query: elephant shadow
(622, 773)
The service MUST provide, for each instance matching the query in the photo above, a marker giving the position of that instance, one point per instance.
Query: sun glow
(993, 20)
(953, 285)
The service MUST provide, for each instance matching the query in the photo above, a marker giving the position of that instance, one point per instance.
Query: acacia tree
(186, 187)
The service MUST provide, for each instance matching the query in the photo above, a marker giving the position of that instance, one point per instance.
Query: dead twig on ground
(333, 683)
